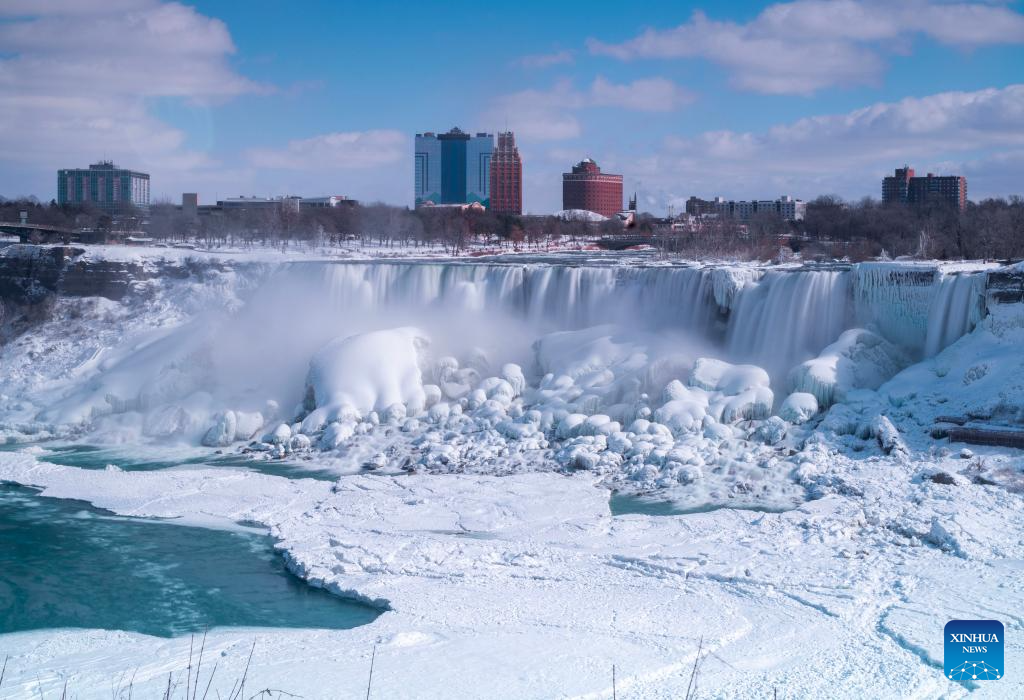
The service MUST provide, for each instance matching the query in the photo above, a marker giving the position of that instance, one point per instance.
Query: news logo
(973, 650)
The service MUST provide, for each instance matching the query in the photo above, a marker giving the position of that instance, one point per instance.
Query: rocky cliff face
(29, 273)
(1006, 286)
(32, 277)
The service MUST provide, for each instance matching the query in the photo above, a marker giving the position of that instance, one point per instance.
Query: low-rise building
(288, 203)
(329, 202)
(192, 209)
(785, 206)
(471, 206)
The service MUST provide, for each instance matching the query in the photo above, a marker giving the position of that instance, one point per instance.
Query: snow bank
(578, 354)
(232, 426)
(157, 368)
(979, 378)
(580, 215)
(742, 391)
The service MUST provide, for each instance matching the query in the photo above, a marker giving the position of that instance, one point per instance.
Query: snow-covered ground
(525, 586)
(476, 416)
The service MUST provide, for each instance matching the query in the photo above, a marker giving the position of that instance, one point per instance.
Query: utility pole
(369, 683)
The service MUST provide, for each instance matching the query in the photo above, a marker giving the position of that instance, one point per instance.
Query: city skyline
(686, 99)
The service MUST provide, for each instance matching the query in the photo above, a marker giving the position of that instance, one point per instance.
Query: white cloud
(39, 8)
(847, 153)
(546, 60)
(348, 150)
(644, 95)
(800, 47)
(77, 80)
(948, 121)
(154, 49)
(550, 115)
(539, 115)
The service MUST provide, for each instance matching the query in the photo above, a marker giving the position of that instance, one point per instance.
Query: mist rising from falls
(615, 342)
(549, 297)
(775, 319)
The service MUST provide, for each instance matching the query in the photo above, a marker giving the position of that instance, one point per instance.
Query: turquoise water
(64, 563)
(634, 504)
(149, 459)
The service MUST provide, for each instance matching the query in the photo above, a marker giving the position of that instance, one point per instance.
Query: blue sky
(739, 99)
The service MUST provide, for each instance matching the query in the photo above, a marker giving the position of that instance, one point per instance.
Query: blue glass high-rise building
(453, 168)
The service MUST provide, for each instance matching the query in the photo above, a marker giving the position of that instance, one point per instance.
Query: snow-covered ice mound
(156, 369)
(377, 371)
(859, 359)
(588, 410)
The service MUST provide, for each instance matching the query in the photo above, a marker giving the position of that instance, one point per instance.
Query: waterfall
(957, 305)
(788, 317)
(550, 296)
(893, 299)
(774, 318)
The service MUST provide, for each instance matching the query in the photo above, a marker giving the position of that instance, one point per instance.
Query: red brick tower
(506, 176)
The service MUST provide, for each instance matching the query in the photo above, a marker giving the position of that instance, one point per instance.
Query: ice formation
(652, 376)
(858, 359)
(379, 371)
(799, 407)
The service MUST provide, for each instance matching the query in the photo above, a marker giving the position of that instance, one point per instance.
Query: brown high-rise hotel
(586, 187)
(903, 187)
(506, 176)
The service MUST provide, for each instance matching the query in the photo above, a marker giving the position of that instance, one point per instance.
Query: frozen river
(65, 564)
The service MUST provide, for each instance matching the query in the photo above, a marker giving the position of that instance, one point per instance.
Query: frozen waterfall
(788, 317)
(774, 318)
(957, 304)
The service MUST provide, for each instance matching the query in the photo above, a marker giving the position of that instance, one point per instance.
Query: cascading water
(673, 314)
(958, 303)
(775, 319)
(524, 365)
(788, 317)
(893, 299)
(548, 296)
